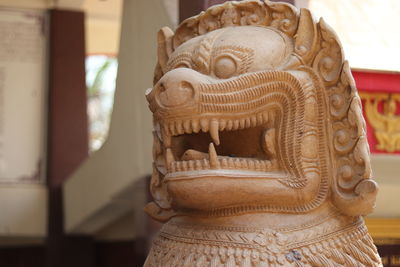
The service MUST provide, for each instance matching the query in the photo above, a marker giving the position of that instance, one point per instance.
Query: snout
(176, 89)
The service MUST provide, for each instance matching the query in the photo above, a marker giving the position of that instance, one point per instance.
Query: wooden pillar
(189, 8)
(67, 133)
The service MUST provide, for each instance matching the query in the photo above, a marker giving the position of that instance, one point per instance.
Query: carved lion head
(255, 110)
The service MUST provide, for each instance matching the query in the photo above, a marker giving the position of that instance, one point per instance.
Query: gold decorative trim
(384, 228)
(386, 124)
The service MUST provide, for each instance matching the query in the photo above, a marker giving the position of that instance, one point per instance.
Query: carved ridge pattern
(202, 54)
(280, 16)
(222, 246)
(282, 81)
(183, 58)
(245, 55)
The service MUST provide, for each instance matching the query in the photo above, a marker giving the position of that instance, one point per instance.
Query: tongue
(192, 154)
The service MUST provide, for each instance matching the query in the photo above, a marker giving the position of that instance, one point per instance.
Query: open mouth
(247, 144)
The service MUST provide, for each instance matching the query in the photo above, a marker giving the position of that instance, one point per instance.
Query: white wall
(110, 183)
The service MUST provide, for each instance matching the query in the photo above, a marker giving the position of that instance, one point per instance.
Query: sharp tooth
(222, 125)
(214, 164)
(242, 123)
(179, 127)
(224, 163)
(164, 131)
(268, 143)
(238, 163)
(265, 165)
(169, 157)
(214, 131)
(204, 125)
(253, 121)
(235, 125)
(184, 165)
(172, 128)
(268, 165)
(231, 163)
(196, 126)
(248, 123)
(265, 117)
(160, 165)
(198, 164)
(258, 165)
(259, 118)
(191, 165)
(157, 129)
(229, 125)
(274, 164)
(179, 166)
(186, 126)
(251, 164)
(206, 164)
(244, 164)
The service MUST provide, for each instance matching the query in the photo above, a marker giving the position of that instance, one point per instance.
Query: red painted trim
(377, 81)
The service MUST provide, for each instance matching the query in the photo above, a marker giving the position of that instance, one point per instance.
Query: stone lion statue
(260, 151)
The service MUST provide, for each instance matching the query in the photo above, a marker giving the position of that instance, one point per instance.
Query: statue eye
(225, 67)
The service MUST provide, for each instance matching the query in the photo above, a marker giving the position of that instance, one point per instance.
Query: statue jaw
(218, 141)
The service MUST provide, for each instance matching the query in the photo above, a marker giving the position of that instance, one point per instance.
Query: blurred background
(75, 130)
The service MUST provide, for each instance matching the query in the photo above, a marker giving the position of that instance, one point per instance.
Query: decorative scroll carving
(329, 59)
(258, 122)
(280, 16)
(386, 124)
(354, 191)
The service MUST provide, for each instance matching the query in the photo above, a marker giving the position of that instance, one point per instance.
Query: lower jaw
(227, 192)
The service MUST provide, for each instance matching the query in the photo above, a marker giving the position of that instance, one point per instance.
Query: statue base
(327, 239)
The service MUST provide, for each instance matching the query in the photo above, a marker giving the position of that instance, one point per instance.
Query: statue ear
(164, 50)
(306, 36)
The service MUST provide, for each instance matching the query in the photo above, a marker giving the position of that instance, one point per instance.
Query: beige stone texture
(260, 151)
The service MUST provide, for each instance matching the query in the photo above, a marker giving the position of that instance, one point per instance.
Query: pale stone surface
(260, 153)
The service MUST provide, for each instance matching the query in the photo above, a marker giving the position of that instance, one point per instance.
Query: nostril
(162, 87)
(175, 94)
(185, 84)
